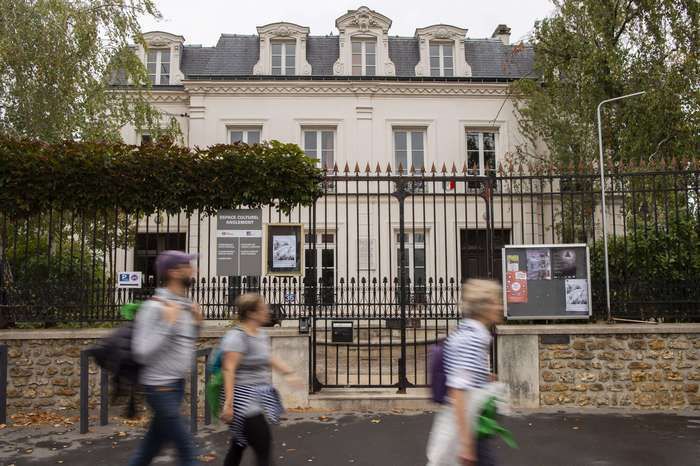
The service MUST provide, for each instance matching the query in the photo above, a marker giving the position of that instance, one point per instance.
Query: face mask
(186, 281)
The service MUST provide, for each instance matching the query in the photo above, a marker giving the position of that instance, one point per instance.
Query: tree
(591, 50)
(57, 60)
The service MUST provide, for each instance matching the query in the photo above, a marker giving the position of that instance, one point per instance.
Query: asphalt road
(391, 439)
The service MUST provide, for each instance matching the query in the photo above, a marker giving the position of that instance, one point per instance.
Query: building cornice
(345, 88)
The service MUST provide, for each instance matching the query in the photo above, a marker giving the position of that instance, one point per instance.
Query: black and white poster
(284, 251)
(539, 265)
(564, 263)
(576, 295)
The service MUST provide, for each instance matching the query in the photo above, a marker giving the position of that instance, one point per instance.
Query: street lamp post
(602, 199)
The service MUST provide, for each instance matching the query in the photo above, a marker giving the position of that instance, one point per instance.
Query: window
(283, 58)
(481, 152)
(146, 138)
(364, 57)
(158, 65)
(245, 135)
(147, 247)
(319, 264)
(409, 148)
(414, 263)
(320, 144)
(441, 59)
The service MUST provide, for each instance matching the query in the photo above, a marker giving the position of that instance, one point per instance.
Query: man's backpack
(438, 377)
(114, 354)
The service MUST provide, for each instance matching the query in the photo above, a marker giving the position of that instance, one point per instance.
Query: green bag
(216, 382)
(128, 311)
(488, 426)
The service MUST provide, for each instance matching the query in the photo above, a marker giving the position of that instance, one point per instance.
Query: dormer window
(283, 58)
(363, 44)
(158, 64)
(441, 59)
(441, 49)
(364, 57)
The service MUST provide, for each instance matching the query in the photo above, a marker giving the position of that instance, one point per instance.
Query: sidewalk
(391, 439)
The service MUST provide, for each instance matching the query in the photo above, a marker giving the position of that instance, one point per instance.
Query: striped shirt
(467, 363)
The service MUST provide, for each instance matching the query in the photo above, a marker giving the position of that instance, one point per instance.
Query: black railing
(61, 266)
(85, 356)
(3, 384)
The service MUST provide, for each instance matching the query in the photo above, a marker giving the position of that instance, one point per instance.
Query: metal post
(84, 391)
(401, 194)
(104, 397)
(602, 199)
(3, 384)
(193, 395)
(207, 376)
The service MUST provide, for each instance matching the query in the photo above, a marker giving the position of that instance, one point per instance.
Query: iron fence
(61, 267)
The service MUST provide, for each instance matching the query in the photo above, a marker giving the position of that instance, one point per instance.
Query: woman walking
(251, 403)
(453, 440)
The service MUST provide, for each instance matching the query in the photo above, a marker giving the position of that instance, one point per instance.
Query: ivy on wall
(90, 176)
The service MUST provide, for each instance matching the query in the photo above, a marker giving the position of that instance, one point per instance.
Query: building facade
(358, 98)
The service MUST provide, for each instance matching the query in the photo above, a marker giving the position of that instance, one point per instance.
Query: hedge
(88, 176)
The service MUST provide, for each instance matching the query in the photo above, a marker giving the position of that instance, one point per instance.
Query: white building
(361, 96)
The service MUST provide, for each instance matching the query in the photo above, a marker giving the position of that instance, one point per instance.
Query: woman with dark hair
(250, 402)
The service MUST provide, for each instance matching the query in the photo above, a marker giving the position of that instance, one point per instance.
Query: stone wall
(44, 366)
(602, 366)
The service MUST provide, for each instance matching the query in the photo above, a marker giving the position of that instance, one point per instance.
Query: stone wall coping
(597, 329)
(92, 333)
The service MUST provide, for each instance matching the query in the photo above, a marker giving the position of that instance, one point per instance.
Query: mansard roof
(235, 56)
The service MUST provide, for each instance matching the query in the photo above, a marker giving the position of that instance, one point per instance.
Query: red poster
(516, 287)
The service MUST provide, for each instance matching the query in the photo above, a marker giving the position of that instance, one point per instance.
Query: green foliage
(90, 176)
(57, 60)
(651, 265)
(592, 50)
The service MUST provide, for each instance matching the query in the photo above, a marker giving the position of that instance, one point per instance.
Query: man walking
(165, 334)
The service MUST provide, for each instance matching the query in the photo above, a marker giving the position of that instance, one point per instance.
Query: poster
(129, 280)
(576, 295)
(516, 287)
(239, 242)
(284, 251)
(539, 265)
(564, 263)
(513, 263)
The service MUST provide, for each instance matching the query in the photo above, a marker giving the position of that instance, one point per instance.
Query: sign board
(284, 249)
(546, 282)
(239, 242)
(129, 280)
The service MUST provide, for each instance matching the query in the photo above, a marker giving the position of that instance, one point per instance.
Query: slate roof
(236, 55)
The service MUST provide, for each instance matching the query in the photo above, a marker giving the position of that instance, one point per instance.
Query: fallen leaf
(376, 421)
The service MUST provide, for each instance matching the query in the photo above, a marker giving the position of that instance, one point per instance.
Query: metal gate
(384, 270)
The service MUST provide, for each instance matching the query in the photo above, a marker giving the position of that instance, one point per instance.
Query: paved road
(394, 439)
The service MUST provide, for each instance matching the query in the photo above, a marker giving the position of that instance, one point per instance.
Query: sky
(202, 21)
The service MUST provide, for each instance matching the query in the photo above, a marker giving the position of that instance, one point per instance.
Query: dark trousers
(167, 426)
(257, 431)
(484, 455)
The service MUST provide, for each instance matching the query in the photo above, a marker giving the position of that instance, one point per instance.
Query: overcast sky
(202, 21)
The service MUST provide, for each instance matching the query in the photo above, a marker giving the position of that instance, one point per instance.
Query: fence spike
(357, 168)
(674, 162)
(388, 169)
(643, 164)
(400, 168)
(444, 168)
(367, 169)
(454, 168)
(465, 170)
(499, 170)
(432, 169)
(335, 168)
(347, 168)
(412, 169)
(378, 170)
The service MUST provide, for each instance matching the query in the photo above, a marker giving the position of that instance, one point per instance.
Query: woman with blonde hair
(468, 369)
(250, 402)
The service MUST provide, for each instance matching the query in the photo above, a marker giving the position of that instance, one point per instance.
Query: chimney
(502, 32)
